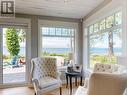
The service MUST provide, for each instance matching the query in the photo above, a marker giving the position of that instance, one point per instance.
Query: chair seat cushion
(47, 82)
(81, 91)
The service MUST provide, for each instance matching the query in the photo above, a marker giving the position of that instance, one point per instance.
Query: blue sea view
(49, 50)
(65, 50)
(105, 50)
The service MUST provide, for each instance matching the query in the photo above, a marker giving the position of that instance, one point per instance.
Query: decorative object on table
(69, 69)
(77, 68)
(70, 58)
(70, 65)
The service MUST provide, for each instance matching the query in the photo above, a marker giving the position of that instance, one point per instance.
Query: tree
(21, 35)
(110, 40)
(12, 43)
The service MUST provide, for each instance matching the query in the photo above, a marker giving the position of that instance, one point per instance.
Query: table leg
(70, 85)
(75, 81)
(67, 81)
(60, 90)
(81, 81)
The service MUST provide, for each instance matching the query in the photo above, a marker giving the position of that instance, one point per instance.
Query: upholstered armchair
(106, 68)
(45, 76)
(104, 84)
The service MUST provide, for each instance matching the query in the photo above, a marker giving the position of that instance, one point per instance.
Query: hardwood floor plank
(30, 91)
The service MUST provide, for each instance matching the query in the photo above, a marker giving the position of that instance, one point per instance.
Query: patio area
(14, 75)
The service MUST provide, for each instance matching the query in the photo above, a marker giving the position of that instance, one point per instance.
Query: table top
(73, 73)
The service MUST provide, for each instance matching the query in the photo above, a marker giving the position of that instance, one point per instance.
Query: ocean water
(49, 50)
(65, 50)
(105, 50)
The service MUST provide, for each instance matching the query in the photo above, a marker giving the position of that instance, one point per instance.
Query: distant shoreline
(65, 50)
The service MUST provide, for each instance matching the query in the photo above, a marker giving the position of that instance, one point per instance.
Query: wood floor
(30, 91)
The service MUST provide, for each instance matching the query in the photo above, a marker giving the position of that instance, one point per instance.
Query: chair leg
(67, 81)
(34, 93)
(60, 90)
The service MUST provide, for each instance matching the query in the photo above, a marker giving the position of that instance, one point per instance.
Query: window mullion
(1, 53)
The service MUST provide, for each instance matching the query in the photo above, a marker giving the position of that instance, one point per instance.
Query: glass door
(13, 55)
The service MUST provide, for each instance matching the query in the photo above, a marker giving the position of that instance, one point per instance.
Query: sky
(56, 42)
(104, 42)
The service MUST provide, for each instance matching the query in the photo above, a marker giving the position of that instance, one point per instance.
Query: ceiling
(58, 8)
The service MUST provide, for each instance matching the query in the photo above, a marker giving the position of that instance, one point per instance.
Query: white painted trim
(124, 28)
(1, 52)
(111, 12)
(39, 38)
(28, 53)
(16, 20)
(28, 48)
(85, 48)
(60, 24)
(99, 7)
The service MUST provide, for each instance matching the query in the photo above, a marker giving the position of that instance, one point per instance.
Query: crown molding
(99, 7)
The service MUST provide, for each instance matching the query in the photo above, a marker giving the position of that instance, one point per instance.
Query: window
(102, 25)
(57, 42)
(105, 40)
(110, 21)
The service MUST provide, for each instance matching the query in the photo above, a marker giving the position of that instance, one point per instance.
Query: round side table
(70, 75)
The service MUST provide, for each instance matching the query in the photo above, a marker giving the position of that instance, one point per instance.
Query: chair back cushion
(102, 68)
(109, 68)
(50, 66)
(43, 67)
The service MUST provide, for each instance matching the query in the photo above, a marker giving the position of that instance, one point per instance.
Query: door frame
(28, 52)
(1, 54)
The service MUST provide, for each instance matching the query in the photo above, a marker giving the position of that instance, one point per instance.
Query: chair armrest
(35, 81)
(36, 84)
(86, 83)
(58, 75)
(107, 84)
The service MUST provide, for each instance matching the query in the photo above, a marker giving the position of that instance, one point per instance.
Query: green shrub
(102, 59)
(12, 41)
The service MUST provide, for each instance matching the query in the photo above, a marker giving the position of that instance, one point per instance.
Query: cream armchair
(106, 68)
(45, 76)
(104, 84)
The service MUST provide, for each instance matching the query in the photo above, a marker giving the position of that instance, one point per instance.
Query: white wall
(113, 6)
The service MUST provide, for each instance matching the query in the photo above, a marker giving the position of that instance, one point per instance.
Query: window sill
(88, 72)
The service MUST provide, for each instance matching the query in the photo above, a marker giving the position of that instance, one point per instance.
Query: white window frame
(61, 24)
(86, 35)
(60, 36)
